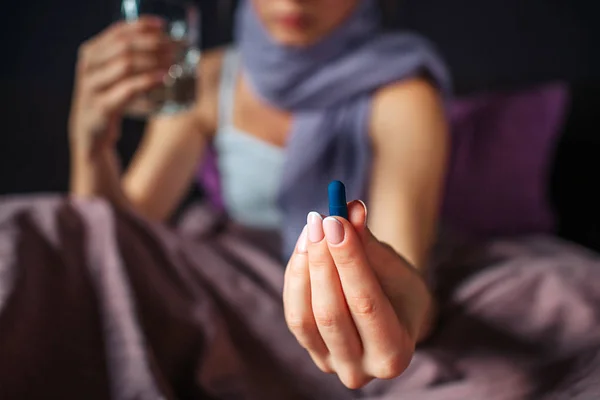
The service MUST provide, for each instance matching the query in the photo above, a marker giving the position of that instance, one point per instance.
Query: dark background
(489, 45)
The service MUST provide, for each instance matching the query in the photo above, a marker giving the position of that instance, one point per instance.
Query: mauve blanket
(98, 304)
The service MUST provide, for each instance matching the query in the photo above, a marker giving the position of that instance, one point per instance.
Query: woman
(98, 300)
(321, 80)
(406, 126)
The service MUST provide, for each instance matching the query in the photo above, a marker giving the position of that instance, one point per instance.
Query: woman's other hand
(357, 306)
(122, 62)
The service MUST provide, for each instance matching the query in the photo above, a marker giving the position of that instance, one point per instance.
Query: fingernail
(302, 245)
(334, 230)
(366, 211)
(315, 227)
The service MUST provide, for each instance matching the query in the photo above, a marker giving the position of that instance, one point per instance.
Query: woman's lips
(293, 21)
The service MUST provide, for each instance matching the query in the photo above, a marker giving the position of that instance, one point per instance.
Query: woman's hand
(122, 62)
(356, 305)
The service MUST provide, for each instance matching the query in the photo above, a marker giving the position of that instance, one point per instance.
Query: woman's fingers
(297, 305)
(124, 60)
(124, 67)
(329, 308)
(124, 40)
(144, 23)
(116, 97)
(122, 29)
(126, 49)
(336, 306)
(149, 44)
(386, 345)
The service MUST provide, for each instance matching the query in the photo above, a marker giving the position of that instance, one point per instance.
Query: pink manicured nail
(334, 230)
(315, 227)
(302, 241)
(366, 211)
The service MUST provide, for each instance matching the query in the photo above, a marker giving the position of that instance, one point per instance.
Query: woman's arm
(410, 140)
(356, 304)
(164, 165)
(160, 172)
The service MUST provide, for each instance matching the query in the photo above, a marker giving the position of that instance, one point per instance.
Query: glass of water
(182, 25)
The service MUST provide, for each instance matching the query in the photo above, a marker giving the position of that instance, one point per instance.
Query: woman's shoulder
(209, 77)
(417, 90)
(413, 94)
(404, 103)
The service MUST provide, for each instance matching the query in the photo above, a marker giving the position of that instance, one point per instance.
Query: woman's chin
(293, 38)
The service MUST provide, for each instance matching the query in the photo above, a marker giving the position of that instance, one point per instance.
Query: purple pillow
(502, 148)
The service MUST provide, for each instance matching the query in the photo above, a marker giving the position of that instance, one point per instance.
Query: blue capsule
(337, 200)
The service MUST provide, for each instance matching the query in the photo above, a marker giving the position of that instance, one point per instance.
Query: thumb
(376, 250)
(357, 215)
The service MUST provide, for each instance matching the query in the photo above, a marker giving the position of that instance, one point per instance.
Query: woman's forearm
(410, 141)
(97, 175)
(159, 174)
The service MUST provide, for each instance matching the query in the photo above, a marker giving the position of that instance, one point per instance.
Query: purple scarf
(328, 87)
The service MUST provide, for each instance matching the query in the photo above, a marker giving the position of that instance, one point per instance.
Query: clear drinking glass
(178, 91)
